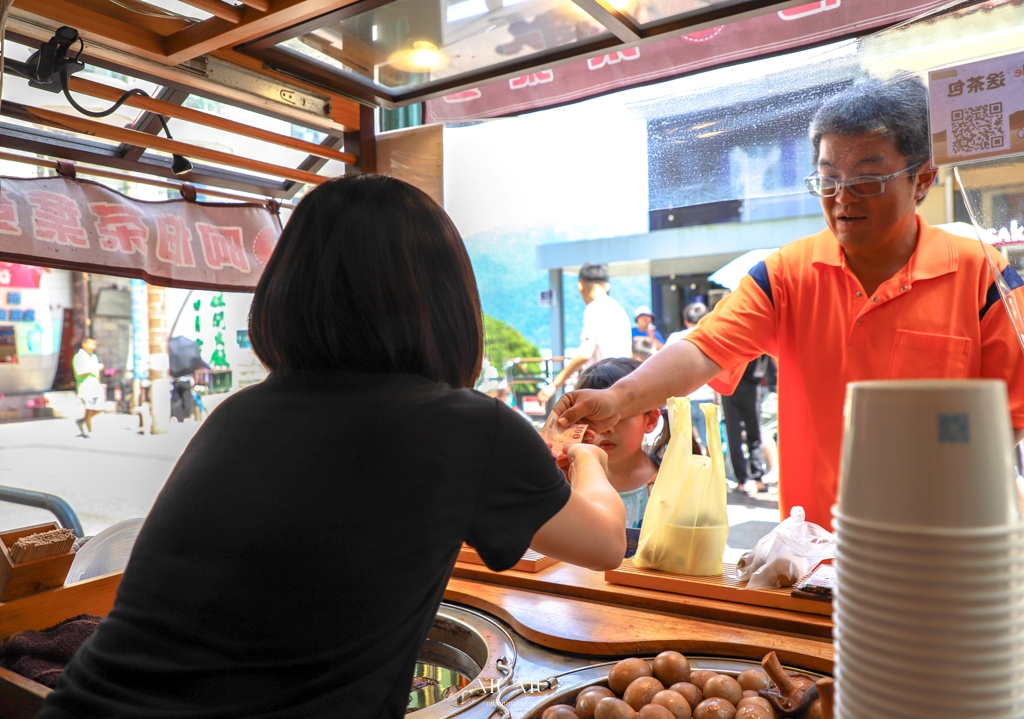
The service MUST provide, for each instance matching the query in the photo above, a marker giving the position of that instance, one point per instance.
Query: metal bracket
(238, 78)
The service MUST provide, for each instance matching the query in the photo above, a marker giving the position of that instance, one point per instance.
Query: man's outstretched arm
(675, 371)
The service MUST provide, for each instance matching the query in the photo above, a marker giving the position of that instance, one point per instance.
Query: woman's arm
(590, 530)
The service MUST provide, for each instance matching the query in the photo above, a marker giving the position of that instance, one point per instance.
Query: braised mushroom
(790, 695)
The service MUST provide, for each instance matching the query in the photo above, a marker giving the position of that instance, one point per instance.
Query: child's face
(625, 438)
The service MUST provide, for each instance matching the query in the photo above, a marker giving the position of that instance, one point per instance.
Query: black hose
(113, 108)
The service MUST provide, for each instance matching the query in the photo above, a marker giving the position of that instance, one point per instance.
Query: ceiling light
(423, 56)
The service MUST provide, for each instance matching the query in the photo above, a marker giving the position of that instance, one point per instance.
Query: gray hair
(896, 109)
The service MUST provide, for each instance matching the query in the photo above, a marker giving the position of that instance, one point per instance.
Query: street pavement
(113, 475)
(116, 474)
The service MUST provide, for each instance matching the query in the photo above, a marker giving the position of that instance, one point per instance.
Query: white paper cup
(914, 591)
(859, 696)
(927, 538)
(957, 618)
(930, 631)
(928, 453)
(940, 562)
(920, 677)
(892, 648)
(1009, 575)
(967, 610)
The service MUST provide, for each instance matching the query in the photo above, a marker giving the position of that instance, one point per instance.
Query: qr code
(976, 129)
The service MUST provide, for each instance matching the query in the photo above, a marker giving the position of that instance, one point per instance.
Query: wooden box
(22, 698)
(531, 561)
(24, 578)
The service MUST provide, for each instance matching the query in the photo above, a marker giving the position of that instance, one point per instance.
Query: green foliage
(503, 342)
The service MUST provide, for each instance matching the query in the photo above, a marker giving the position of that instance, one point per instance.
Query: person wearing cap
(879, 294)
(645, 326)
(607, 331)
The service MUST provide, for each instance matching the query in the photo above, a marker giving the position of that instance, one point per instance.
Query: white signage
(977, 110)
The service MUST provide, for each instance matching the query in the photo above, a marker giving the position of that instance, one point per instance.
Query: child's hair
(606, 373)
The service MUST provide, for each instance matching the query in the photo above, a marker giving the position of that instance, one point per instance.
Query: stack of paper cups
(929, 603)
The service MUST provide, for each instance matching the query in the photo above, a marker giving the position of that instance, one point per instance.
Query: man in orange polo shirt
(879, 294)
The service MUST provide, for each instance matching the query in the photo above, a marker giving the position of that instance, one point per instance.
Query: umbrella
(184, 356)
(731, 274)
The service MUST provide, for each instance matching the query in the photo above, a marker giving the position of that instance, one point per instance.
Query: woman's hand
(578, 451)
(599, 408)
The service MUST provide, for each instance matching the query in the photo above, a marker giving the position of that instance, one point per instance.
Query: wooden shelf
(726, 587)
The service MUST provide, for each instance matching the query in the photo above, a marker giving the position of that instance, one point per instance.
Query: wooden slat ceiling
(215, 58)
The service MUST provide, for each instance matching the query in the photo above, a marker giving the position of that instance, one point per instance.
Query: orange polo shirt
(939, 317)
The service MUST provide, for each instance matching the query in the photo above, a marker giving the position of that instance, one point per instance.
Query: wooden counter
(566, 580)
(571, 609)
(563, 608)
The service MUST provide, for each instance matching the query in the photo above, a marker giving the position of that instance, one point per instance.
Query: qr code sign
(977, 129)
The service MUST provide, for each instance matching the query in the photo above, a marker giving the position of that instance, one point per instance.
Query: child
(631, 470)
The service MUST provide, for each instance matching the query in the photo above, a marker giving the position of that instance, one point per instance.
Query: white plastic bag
(787, 553)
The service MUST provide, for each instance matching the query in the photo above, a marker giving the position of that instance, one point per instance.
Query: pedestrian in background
(607, 332)
(87, 368)
(692, 314)
(742, 411)
(645, 327)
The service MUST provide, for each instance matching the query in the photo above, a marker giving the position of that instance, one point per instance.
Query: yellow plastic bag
(685, 525)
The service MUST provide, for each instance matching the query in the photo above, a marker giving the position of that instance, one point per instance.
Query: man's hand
(599, 408)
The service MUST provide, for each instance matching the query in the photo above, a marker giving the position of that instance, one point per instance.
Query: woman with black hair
(296, 557)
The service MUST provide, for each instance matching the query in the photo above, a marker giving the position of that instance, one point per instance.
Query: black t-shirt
(294, 561)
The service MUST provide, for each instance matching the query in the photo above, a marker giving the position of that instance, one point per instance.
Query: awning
(786, 30)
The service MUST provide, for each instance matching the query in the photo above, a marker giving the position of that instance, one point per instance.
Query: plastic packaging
(787, 553)
(106, 553)
(686, 525)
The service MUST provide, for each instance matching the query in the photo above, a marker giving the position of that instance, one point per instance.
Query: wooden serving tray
(725, 587)
(531, 561)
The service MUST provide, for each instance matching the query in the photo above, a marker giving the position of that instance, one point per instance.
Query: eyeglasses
(860, 186)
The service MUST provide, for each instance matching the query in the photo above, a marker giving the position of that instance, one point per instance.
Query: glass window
(408, 43)
(645, 12)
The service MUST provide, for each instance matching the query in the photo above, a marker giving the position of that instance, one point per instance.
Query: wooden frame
(79, 149)
(123, 177)
(105, 92)
(85, 126)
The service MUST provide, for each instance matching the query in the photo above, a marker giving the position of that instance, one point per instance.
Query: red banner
(81, 225)
(20, 276)
(773, 33)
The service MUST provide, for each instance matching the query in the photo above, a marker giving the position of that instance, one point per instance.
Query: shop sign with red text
(771, 33)
(81, 225)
